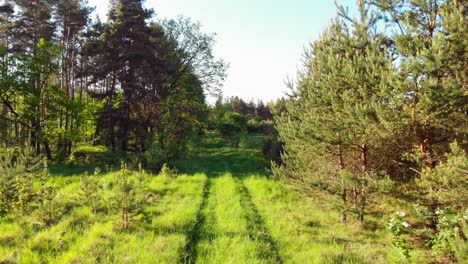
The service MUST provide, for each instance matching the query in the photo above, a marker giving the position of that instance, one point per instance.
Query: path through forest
(227, 217)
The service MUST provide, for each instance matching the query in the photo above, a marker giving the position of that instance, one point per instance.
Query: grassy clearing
(222, 210)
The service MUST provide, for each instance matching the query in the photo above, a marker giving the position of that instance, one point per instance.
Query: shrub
(397, 226)
(236, 118)
(81, 217)
(18, 171)
(168, 172)
(85, 155)
(232, 123)
(243, 141)
(459, 243)
(129, 196)
(89, 194)
(228, 129)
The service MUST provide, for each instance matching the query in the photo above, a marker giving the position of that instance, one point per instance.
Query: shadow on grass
(216, 156)
(257, 229)
(61, 170)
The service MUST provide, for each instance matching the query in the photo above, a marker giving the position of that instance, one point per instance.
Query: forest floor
(222, 208)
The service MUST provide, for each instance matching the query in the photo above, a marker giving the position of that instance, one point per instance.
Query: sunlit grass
(84, 236)
(224, 236)
(222, 210)
(306, 233)
(177, 210)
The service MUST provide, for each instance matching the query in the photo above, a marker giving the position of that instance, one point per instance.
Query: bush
(236, 118)
(232, 123)
(229, 129)
(167, 171)
(81, 217)
(243, 142)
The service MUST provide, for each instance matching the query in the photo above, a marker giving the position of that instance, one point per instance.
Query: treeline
(379, 111)
(130, 83)
(249, 116)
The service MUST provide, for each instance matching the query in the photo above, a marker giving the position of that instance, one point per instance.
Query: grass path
(225, 227)
(247, 217)
(229, 228)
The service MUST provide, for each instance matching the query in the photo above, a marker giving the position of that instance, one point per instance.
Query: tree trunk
(47, 150)
(344, 199)
(362, 207)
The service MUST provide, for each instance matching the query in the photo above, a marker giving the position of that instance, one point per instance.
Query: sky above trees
(262, 40)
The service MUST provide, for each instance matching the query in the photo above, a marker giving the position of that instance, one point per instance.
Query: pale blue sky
(262, 40)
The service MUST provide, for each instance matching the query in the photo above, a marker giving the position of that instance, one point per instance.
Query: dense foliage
(374, 132)
(381, 98)
(127, 83)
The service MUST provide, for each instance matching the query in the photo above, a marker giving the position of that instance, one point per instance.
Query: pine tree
(129, 196)
(431, 43)
(73, 16)
(7, 24)
(9, 172)
(339, 109)
(90, 192)
(446, 185)
(34, 170)
(48, 207)
(128, 36)
(431, 46)
(19, 170)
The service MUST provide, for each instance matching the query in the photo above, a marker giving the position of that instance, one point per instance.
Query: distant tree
(7, 23)
(34, 22)
(194, 51)
(153, 78)
(263, 111)
(72, 16)
(232, 123)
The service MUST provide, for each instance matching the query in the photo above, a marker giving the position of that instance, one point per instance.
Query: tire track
(190, 253)
(257, 230)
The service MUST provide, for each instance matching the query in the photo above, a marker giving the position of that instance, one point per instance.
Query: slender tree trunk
(344, 216)
(363, 192)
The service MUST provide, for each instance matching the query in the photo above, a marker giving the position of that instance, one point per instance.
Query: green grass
(307, 233)
(223, 208)
(225, 226)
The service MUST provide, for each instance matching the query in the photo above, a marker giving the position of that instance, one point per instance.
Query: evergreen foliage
(129, 196)
(19, 171)
(90, 191)
(374, 112)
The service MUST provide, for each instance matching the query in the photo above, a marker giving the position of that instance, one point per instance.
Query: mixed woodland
(109, 144)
